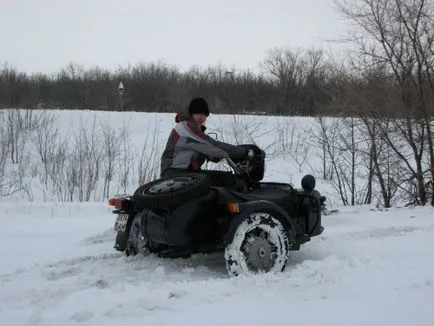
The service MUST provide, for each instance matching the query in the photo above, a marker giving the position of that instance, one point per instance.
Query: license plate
(121, 222)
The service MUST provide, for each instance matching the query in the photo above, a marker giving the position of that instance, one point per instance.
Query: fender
(265, 206)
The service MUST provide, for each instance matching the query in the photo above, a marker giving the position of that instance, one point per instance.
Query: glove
(250, 154)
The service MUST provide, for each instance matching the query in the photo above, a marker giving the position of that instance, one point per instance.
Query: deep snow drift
(368, 268)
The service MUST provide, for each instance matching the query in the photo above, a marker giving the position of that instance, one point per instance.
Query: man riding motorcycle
(188, 147)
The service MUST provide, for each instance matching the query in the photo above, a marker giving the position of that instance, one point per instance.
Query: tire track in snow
(45, 285)
(148, 285)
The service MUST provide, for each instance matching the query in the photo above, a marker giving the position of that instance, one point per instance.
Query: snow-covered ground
(58, 267)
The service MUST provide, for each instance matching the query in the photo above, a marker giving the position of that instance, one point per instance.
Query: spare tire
(171, 191)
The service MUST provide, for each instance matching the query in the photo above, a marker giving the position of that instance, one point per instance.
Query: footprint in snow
(81, 315)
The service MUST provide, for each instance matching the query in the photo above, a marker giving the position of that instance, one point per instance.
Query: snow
(58, 267)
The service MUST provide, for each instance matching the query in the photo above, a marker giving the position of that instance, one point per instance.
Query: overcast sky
(46, 35)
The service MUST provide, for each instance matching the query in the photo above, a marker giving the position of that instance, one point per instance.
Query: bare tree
(4, 146)
(343, 147)
(383, 164)
(296, 74)
(286, 130)
(301, 150)
(148, 165)
(324, 134)
(84, 168)
(8, 184)
(111, 154)
(45, 141)
(125, 160)
(59, 169)
(398, 35)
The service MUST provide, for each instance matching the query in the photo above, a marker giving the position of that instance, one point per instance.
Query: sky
(46, 35)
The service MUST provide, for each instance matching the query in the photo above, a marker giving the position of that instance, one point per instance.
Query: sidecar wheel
(171, 191)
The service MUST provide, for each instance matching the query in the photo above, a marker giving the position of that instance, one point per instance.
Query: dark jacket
(188, 147)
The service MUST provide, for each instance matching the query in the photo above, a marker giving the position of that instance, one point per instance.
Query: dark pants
(217, 178)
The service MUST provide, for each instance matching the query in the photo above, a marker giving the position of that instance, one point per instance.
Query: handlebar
(240, 168)
(233, 165)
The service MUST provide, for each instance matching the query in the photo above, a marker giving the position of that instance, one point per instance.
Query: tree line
(291, 82)
(392, 63)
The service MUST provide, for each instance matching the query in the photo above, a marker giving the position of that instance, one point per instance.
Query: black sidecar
(256, 228)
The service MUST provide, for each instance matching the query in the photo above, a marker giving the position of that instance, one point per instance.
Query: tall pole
(230, 73)
(121, 91)
(229, 91)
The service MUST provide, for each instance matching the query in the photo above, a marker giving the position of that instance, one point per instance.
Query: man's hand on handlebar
(250, 154)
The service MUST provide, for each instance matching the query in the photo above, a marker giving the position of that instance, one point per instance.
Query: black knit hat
(198, 105)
